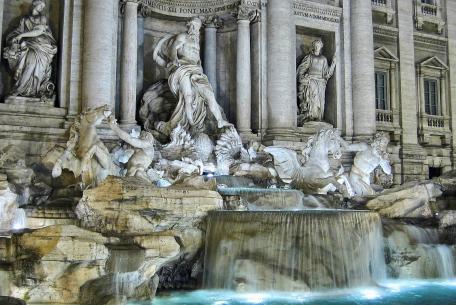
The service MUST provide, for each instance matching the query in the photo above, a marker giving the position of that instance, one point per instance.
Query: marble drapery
(30, 50)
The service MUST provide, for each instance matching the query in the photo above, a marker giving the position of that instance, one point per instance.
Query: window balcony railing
(429, 9)
(429, 13)
(435, 121)
(380, 2)
(384, 7)
(384, 116)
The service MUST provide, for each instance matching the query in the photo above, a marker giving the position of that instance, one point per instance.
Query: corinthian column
(282, 105)
(363, 68)
(129, 64)
(98, 51)
(1, 23)
(212, 23)
(243, 70)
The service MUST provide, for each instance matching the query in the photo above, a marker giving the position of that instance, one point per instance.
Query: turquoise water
(391, 293)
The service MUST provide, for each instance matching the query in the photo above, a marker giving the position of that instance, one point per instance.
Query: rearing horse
(314, 175)
(85, 154)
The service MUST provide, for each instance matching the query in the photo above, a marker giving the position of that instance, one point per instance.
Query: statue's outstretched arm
(386, 166)
(124, 136)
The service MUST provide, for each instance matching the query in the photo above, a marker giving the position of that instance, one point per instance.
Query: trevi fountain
(227, 152)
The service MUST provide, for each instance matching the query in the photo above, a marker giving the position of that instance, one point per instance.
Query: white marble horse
(314, 175)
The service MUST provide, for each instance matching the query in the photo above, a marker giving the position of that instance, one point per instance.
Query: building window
(381, 90)
(430, 96)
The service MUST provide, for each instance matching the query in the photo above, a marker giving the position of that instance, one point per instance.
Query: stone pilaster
(256, 40)
(129, 64)
(411, 154)
(281, 72)
(363, 71)
(98, 39)
(140, 65)
(451, 11)
(211, 23)
(244, 15)
(1, 23)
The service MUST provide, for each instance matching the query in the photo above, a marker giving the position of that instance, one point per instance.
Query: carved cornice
(386, 33)
(188, 8)
(191, 8)
(430, 42)
(313, 10)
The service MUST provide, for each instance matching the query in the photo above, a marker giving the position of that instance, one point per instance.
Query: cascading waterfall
(428, 258)
(446, 262)
(291, 251)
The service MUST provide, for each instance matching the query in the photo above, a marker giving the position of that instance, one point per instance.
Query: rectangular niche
(304, 38)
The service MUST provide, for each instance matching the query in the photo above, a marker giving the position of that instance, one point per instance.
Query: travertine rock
(408, 201)
(131, 206)
(51, 264)
(447, 218)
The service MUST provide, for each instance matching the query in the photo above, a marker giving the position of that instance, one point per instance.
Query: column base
(275, 135)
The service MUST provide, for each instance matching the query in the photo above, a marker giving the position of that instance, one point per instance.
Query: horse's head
(327, 140)
(334, 141)
(94, 116)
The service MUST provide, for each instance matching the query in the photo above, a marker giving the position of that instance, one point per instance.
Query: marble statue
(30, 50)
(143, 150)
(85, 154)
(313, 74)
(180, 54)
(367, 159)
(315, 174)
(157, 104)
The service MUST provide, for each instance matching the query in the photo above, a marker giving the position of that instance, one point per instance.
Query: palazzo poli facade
(394, 70)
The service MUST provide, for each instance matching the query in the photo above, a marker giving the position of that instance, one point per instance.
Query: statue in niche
(313, 74)
(30, 50)
(367, 159)
(180, 54)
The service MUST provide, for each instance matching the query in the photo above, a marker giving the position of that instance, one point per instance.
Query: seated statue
(367, 159)
(180, 54)
(313, 74)
(30, 50)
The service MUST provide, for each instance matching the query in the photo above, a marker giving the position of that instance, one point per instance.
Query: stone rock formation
(411, 200)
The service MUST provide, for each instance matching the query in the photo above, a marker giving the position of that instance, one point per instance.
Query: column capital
(124, 3)
(213, 21)
(246, 12)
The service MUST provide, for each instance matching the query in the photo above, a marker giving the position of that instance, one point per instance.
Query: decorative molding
(191, 8)
(308, 9)
(213, 21)
(430, 42)
(383, 53)
(434, 63)
(386, 33)
(246, 11)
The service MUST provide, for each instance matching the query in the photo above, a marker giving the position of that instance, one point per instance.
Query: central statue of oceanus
(180, 55)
